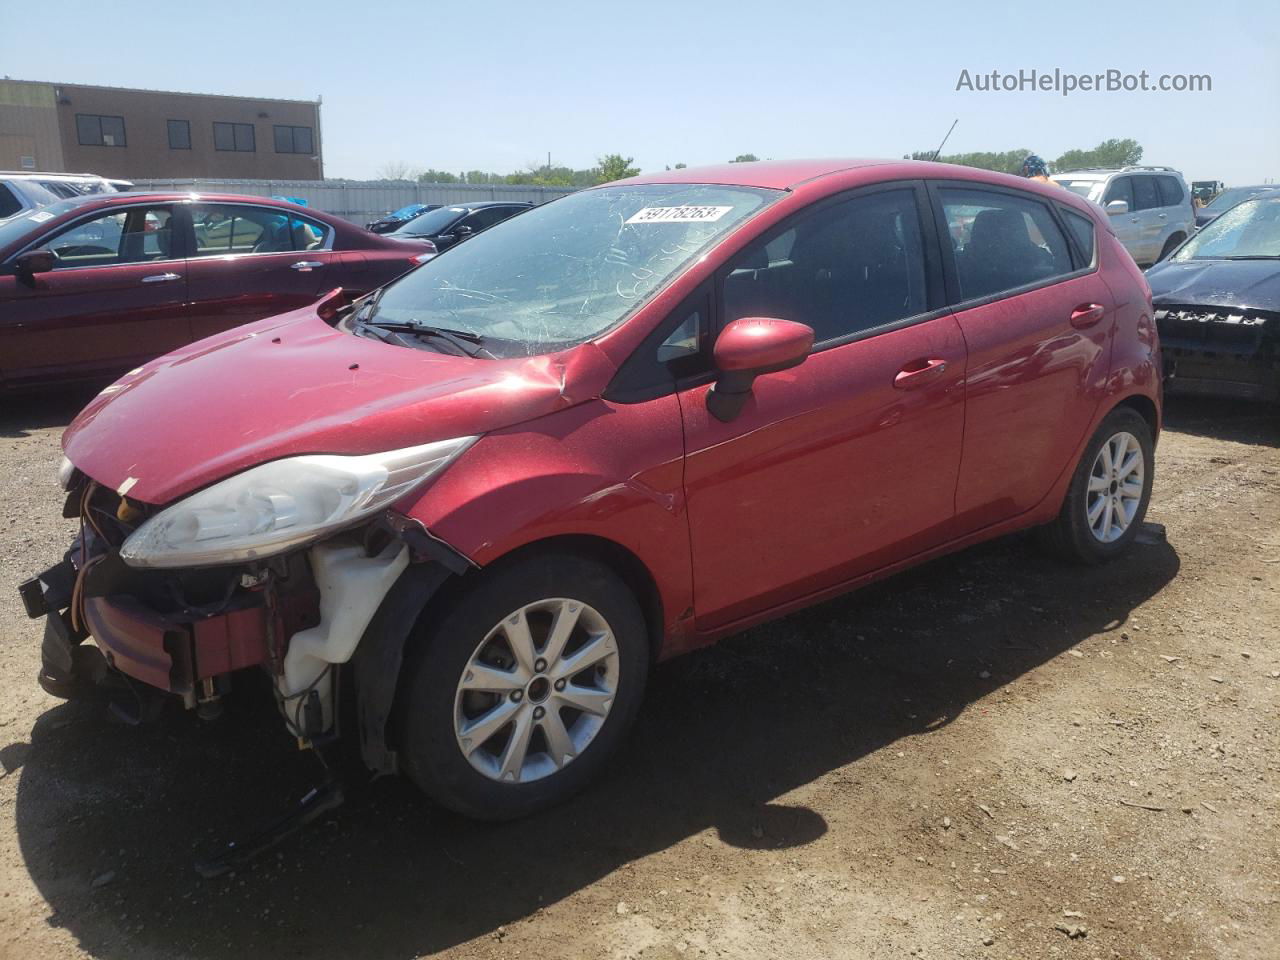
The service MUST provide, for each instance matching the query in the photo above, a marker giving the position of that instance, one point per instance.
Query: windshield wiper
(464, 341)
(1255, 256)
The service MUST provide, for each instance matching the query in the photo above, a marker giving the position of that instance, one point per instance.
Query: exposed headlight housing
(66, 470)
(281, 505)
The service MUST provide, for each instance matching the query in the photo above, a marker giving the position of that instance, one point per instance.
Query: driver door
(114, 299)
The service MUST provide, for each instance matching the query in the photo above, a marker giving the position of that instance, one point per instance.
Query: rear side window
(227, 229)
(1170, 191)
(845, 269)
(9, 204)
(1081, 228)
(1002, 242)
(1145, 194)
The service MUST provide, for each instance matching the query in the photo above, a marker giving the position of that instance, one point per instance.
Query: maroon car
(93, 286)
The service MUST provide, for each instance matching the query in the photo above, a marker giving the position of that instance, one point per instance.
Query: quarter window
(9, 204)
(234, 136)
(135, 235)
(225, 229)
(1145, 195)
(1120, 189)
(847, 268)
(179, 134)
(293, 139)
(1081, 228)
(1002, 242)
(1170, 191)
(94, 130)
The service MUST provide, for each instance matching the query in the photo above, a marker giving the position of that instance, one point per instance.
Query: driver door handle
(306, 265)
(161, 277)
(919, 372)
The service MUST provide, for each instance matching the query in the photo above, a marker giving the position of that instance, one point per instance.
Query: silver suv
(22, 191)
(1150, 207)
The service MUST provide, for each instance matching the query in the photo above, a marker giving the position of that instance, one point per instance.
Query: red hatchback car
(95, 285)
(483, 500)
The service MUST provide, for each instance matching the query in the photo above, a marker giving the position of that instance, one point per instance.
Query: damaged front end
(1220, 351)
(301, 615)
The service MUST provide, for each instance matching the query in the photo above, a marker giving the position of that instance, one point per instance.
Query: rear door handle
(919, 372)
(161, 277)
(306, 265)
(1163, 216)
(1087, 314)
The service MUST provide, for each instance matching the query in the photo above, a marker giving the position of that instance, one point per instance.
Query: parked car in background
(1229, 198)
(97, 284)
(602, 433)
(446, 226)
(398, 218)
(1217, 302)
(1149, 207)
(1203, 191)
(22, 191)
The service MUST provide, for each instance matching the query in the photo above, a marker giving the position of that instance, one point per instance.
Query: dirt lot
(993, 756)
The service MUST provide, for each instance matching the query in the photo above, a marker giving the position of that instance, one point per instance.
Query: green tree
(438, 176)
(1109, 153)
(614, 166)
(745, 158)
(1008, 161)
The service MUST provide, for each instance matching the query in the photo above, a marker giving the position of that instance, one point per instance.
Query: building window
(293, 140)
(234, 136)
(96, 131)
(179, 135)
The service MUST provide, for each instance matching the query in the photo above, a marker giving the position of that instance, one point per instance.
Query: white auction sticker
(678, 214)
(41, 217)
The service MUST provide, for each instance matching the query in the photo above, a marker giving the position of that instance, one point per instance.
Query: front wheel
(1109, 492)
(524, 687)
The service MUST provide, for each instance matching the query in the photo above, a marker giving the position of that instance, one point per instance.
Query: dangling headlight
(280, 505)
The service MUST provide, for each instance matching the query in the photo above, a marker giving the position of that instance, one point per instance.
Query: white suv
(22, 191)
(1150, 207)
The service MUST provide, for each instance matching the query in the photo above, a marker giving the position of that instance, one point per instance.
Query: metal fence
(362, 200)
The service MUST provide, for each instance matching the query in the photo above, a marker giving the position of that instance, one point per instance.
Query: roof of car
(770, 174)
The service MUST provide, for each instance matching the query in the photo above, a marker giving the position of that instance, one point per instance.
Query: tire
(508, 696)
(1169, 246)
(1073, 536)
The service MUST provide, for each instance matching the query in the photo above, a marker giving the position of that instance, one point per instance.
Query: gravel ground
(992, 756)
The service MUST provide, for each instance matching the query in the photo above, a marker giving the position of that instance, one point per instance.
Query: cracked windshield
(570, 270)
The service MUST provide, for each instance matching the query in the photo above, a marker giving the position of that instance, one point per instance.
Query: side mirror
(1116, 207)
(463, 232)
(33, 262)
(748, 348)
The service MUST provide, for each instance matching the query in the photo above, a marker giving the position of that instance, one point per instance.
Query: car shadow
(1240, 421)
(724, 732)
(22, 413)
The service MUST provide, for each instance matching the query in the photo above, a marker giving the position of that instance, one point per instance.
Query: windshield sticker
(684, 214)
(41, 217)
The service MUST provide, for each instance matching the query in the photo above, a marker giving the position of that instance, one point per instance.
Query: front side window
(568, 271)
(94, 130)
(1001, 241)
(842, 270)
(226, 229)
(293, 139)
(1248, 231)
(179, 134)
(1145, 194)
(237, 137)
(135, 235)
(1121, 189)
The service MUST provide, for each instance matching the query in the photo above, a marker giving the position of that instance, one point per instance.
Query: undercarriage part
(352, 585)
(380, 656)
(1220, 351)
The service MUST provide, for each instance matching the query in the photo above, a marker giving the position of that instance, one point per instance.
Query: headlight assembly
(279, 505)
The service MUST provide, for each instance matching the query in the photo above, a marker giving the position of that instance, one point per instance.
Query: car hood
(1249, 284)
(293, 385)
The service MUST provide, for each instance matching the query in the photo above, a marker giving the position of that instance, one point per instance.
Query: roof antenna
(945, 139)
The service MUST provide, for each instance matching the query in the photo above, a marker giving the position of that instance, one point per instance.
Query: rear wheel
(524, 687)
(1109, 493)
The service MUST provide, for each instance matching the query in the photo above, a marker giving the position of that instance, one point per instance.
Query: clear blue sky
(496, 84)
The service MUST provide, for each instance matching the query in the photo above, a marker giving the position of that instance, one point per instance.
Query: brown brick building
(151, 134)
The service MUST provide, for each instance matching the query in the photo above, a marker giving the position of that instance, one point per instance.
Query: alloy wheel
(536, 690)
(1116, 484)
